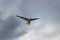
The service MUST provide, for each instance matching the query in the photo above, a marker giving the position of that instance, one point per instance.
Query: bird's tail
(28, 23)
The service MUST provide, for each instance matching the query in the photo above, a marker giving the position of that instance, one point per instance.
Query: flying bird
(27, 19)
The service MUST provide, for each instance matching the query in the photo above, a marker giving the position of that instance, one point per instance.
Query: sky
(46, 28)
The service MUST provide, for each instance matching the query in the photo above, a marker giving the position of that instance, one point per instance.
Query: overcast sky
(46, 28)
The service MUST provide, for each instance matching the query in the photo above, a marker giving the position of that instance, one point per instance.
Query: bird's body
(28, 20)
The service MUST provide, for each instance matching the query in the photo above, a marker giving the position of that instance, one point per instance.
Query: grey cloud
(9, 27)
(8, 22)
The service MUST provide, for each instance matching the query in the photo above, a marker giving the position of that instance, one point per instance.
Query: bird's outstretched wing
(23, 18)
(34, 19)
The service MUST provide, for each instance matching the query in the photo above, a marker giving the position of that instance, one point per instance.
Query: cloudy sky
(46, 28)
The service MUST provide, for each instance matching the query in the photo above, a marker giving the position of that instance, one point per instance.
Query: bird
(27, 19)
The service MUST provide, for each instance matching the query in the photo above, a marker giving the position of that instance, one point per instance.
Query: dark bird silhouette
(27, 19)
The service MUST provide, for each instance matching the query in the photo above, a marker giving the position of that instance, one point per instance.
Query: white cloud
(28, 36)
(46, 33)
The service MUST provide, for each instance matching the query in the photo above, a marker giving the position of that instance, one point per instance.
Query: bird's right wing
(23, 18)
(34, 19)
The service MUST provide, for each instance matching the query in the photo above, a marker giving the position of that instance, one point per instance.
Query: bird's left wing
(34, 19)
(23, 18)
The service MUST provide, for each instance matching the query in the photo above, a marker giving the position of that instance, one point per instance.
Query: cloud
(48, 11)
(47, 28)
(9, 28)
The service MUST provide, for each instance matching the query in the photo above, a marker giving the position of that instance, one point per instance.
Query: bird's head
(30, 18)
